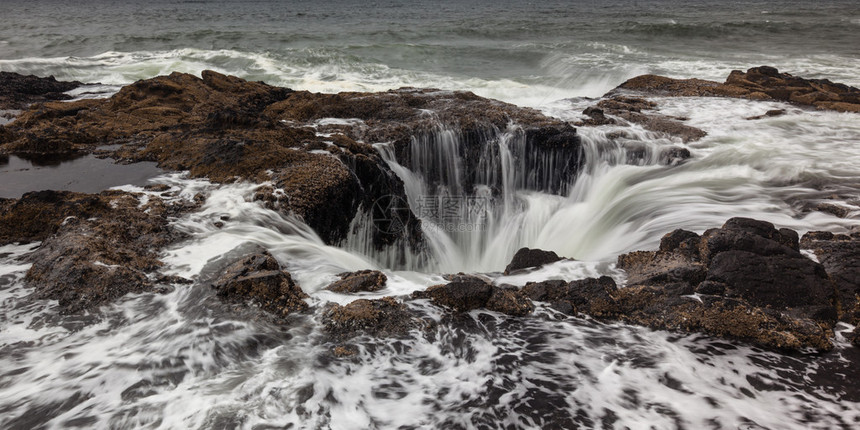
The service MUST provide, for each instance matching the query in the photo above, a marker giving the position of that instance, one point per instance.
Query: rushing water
(183, 360)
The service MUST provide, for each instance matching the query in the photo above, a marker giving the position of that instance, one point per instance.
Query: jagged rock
(837, 210)
(840, 256)
(18, 91)
(258, 278)
(364, 280)
(658, 308)
(744, 234)
(385, 317)
(677, 262)
(592, 296)
(510, 302)
(465, 293)
(637, 153)
(758, 83)
(662, 124)
(674, 155)
(791, 284)
(752, 284)
(526, 258)
(103, 251)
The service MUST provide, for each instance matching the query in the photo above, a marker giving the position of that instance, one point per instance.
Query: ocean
(168, 361)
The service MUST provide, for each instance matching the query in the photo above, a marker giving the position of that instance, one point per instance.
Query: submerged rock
(364, 280)
(258, 278)
(758, 83)
(526, 258)
(18, 91)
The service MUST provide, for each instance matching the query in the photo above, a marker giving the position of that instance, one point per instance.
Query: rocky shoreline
(746, 280)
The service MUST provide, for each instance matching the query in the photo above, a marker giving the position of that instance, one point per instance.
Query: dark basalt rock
(637, 153)
(364, 280)
(18, 91)
(592, 296)
(465, 293)
(758, 83)
(854, 337)
(661, 308)
(796, 285)
(840, 256)
(526, 258)
(104, 247)
(752, 284)
(259, 279)
(385, 317)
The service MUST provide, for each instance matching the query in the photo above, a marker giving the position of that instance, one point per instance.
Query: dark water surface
(505, 49)
(86, 174)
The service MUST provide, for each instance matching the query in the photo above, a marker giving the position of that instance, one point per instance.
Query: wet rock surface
(258, 279)
(750, 283)
(105, 246)
(37, 215)
(757, 83)
(364, 280)
(385, 317)
(19, 91)
(623, 108)
(226, 129)
(840, 256)
(591, 296)
(526, 258)
(745, 281)
(465, 293)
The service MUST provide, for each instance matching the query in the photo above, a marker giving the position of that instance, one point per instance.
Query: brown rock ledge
(745, 281)
(758, 83)
(226, 129)
(258, 279)
(104, 246)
